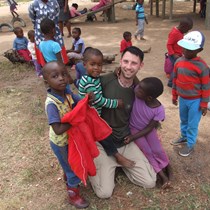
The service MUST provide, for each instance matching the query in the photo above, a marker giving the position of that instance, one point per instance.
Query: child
(20, 44)
(13, 6)
(50, 49)
(78, 46)
(101, 3)
(145, 116)
(31, 48)
(80, 70)
(176, 34)
(57, 104)
(140, 19)
(93, 60)
(126, 42)
(191, 85)
(74, 12)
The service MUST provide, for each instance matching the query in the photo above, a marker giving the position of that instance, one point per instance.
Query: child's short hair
(135, 51)
(16, 29)
(30, 33)
(154, 86)
(75, 5)
(77, 29)
(92, 51)
(126, 34)
(48, 66)
(86, 49)
(47, 26)
(186, 21)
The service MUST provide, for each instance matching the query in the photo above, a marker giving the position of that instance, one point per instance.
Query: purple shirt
(141, 114)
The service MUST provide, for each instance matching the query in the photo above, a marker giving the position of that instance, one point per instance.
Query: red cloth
(25, 54)
(174, 36)
(124, 44)
(40, 57)
(87, 127)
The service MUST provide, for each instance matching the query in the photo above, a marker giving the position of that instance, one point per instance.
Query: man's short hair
(135, 51)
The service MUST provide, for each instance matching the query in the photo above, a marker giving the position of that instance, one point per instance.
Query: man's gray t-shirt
(118, 118)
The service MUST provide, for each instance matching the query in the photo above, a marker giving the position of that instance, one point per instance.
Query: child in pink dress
(101, 3)
(145, 116)
(74, 12)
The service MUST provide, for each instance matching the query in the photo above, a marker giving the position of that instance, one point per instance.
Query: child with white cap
(191, 85)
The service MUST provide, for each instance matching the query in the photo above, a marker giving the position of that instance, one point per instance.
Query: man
(121, 86)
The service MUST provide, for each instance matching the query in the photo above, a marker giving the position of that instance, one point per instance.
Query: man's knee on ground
(104, 194)
(149, 183)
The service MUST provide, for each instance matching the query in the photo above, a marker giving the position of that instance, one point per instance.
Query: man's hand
(91, 98)
(203, 110)
(128, 139)
(175, 102)
(120, 103)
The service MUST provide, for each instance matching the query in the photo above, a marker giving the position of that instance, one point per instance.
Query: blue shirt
(38, 10)
(49, 50)
(80, 71)
(20, 43)
(140, 11)
(76, 44)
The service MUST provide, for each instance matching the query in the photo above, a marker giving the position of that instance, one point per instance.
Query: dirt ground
(30, 175)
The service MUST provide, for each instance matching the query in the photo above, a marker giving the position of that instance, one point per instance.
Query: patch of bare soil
(30, 174)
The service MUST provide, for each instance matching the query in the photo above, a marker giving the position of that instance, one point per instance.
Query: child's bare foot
(166, 185)
(169, 172)
(165, 180)
(142, 38)
(124, 161)
(136, 37)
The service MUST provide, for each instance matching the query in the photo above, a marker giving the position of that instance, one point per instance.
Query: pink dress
(149, 144)
(100, 4)
(74, 12)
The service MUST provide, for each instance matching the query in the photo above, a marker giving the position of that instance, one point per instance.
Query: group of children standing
(190, 84)
(189, 80)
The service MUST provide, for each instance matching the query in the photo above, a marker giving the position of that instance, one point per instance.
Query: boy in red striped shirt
(191, 85)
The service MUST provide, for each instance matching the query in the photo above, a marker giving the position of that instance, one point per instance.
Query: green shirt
(118, 119)
(89, 84)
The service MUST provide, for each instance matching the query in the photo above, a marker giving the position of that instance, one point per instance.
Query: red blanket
(87, 127)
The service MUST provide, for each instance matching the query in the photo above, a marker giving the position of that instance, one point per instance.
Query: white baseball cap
(194, 40)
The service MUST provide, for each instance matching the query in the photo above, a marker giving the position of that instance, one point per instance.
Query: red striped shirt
(191, 80)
